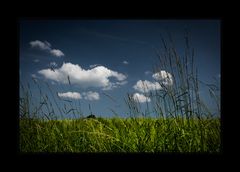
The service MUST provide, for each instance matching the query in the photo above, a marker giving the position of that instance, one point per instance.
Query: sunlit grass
(120, 135)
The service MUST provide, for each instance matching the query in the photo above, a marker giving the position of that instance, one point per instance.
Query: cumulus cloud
(47, 47)
(125, 62)
(140, 98)
(95, 77)
(118, 76)
(90, 95)
(164, 77)
(41, 45)
(146, 86)
(71, 95)
(57, 53)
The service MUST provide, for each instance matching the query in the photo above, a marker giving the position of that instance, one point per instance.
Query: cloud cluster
(162, 78)
(46, 46)
(146, 86)
(140, 98)
(95, 77)
(90, 95)
(125, 62)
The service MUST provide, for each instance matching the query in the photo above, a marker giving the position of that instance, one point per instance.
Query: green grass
(120, 135)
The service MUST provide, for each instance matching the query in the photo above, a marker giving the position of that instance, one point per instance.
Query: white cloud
(146, 86)
(118, 76)
(36, 60)
(90, 95)
(46, 46)
(164, 77)
(125, 62)
(57, 53)
(71, 95)
(41, 45)
(96, 77)
(140, 98)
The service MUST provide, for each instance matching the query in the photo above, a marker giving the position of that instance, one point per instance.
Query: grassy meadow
(120, 135)
(183, 122)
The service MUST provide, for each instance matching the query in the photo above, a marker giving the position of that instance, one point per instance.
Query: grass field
(120, 135)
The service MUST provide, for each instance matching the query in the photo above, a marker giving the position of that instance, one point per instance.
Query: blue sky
(107, 57)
